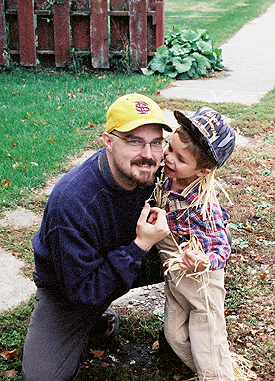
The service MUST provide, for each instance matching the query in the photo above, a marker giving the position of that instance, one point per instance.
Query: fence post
(62, 45)
(99, 34)
(138, 33)
(3, 38)
(26, 32)
(160, 23)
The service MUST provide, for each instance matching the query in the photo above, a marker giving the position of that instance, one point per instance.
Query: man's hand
(153, 229)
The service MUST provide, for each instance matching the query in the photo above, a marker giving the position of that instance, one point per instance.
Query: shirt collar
(178, 193)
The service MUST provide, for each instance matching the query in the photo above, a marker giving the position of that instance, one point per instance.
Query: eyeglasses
(138, 144)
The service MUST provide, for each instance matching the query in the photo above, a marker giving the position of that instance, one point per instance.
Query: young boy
(194, 311)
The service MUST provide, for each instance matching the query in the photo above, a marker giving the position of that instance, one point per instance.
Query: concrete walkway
(249, 57)
(14, 287)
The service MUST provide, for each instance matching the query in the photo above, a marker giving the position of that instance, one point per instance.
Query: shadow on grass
(138, 352)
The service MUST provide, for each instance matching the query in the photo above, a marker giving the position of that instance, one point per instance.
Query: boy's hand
(191, 261)
(153, 229)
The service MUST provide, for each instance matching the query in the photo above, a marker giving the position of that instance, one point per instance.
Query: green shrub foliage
(186, 54)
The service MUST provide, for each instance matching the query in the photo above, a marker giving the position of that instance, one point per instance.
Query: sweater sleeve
(85, 275)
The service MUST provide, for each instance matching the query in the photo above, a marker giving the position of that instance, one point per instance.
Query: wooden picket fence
(97, 32)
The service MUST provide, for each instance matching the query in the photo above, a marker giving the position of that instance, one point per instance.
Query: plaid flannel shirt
(184, 223)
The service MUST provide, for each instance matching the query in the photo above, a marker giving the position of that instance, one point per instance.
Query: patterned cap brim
(195, 133)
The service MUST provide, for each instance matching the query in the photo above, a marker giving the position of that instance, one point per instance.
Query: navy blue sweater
(84, 249)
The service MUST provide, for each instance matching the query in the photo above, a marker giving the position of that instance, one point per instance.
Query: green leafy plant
(186, 54)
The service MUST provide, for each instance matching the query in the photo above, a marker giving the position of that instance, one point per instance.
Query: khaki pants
(194, 322)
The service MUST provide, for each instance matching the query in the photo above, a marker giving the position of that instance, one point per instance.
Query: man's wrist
(143, 245)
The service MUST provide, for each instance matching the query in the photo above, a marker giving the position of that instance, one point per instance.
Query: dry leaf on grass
(97, 352)
(11, 373)
(8, 355)
(155, 345)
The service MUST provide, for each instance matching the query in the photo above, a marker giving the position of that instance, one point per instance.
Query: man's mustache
(143, 161)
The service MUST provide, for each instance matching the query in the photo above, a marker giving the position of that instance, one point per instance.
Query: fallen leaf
(263, 336)
(247, 226)
(8, 355)
(252, 331)
(97, 352)
(11, 373)
(155, 345)
(5, 183)
(262, 275)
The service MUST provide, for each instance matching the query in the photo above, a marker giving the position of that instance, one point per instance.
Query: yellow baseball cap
(134, 110)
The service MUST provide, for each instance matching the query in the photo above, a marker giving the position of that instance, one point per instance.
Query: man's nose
(146, 150)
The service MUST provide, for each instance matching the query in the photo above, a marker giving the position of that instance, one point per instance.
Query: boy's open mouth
(167, 168)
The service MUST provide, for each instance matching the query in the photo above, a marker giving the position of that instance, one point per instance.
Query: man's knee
(45, 372)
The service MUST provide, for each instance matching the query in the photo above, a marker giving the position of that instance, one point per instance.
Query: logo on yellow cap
(142, 107)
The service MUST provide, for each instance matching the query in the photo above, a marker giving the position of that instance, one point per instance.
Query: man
(95, 233)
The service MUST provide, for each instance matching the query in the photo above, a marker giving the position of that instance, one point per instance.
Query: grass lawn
(46, 117)
(222, 19)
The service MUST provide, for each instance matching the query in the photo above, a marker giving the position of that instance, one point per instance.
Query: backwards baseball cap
(134, 110)
(209, 129)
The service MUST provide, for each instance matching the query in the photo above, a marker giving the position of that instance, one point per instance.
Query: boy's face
(180, 163)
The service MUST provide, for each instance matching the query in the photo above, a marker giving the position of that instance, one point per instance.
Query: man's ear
(203, 172)
(107, 140)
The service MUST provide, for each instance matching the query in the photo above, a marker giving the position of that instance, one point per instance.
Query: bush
(186, 54)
